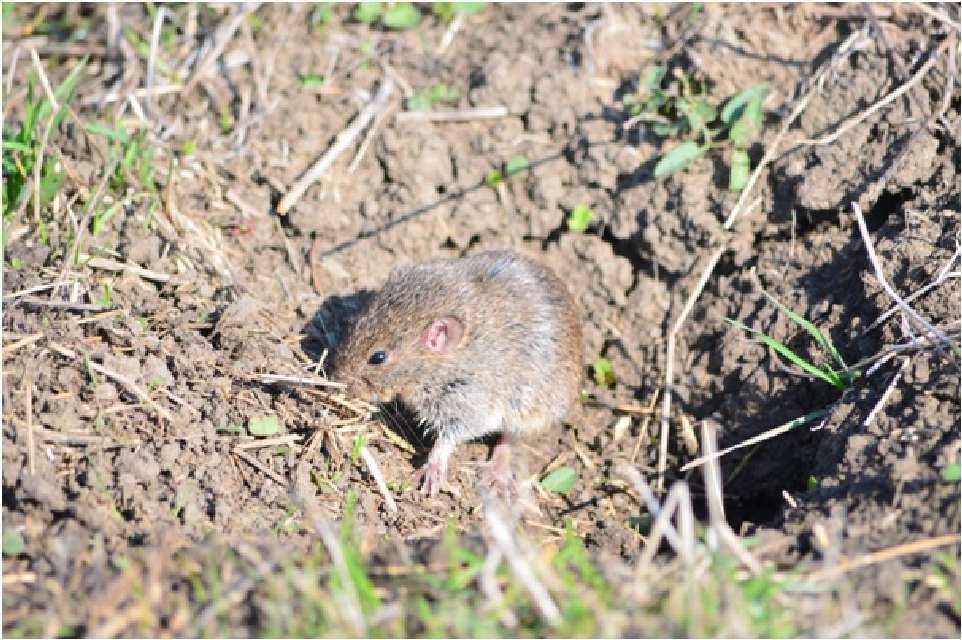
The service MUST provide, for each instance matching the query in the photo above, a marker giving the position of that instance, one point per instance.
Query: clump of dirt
(133, 383)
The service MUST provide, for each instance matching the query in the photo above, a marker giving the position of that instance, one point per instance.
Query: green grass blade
(828, 376)
(812, 330)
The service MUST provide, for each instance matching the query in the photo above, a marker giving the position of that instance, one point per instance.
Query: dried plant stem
(343, 140)
(254, 462)
(860, 117)
(670, 368)
(461, 115)
(507, 544)
(918, 546)
(910, 313)
(375, 470)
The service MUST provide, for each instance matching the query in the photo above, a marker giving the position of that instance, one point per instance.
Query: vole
(484, 344)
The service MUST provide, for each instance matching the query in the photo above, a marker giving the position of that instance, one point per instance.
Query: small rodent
(488, 343)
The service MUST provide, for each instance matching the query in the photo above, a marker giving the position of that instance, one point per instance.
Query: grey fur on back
(517, 368)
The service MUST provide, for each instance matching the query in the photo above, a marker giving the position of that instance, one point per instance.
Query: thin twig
(224, 33)
(507, 543)
(113, 265)
(123, 380)
(859, 118)
(31, 449)
(766, 435)
(909, 311)
(460, 115)
(716, 504)
(152, 58)
(273, 378)
(940, 277)
(375, 470)
(22, 342)
(254, 462)
(888, 391)
(670, 367)
(773, 148)
(291, 438)
(344, 138)
(58, 304)
(875, 557)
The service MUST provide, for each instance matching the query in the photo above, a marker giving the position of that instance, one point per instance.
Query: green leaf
(263, 425)
(360, 441)
(515, 165)
(812, 330)
(367, 12)
(418, 102)
(322, 13)
(743, 131)
(705, 111)
(739, 170)
(951, 473)
(443, 93)
(604, 373)
(494, 178)
(312, 80)
(828, 376)
(560, 480)
(581, 216)
(116, 134)
(51, 180)
(469, 8)
(402, 15)
(666, 130)
(12, 542)
(812, 483)
(732, 109)
(652, 76)
(678, 158)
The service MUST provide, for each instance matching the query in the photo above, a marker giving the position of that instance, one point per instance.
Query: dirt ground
(127, 408)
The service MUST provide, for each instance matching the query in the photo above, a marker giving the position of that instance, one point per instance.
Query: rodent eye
(378, 357)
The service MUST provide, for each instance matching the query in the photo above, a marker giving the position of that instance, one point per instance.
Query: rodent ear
(443, 334)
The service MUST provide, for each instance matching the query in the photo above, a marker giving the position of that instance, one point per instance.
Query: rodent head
(397, 344)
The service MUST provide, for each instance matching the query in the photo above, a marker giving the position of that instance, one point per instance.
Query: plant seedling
(399, 16)
(841, 378)
(579, 219)
(425, 100)
(512, 167)
(683, 108)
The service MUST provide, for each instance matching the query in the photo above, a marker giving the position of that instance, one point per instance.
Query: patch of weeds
(684, 108)
(511, 168)
(426, 100)
(21, 150)
(840, 378)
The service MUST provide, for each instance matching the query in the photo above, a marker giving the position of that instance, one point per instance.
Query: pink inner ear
(443, 334)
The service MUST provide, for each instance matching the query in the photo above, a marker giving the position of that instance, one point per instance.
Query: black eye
(378, 357)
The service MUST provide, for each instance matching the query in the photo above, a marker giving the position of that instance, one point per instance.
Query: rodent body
(488, 343)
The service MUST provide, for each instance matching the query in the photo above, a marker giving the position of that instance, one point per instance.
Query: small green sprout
(446, 11)
(425, 100)
(604, 373)
(12, 542)
(952, 472)
(312, 80)
(360, 441)
(579, 219)
(512, 167)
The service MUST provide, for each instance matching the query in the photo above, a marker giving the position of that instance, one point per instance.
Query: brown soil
(246, 287)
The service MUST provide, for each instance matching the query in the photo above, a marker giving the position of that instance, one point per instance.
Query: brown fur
(516, 369)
